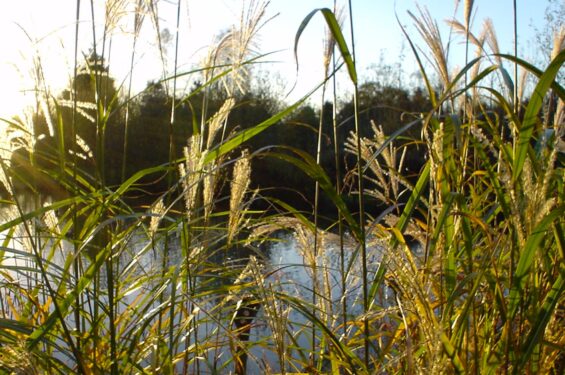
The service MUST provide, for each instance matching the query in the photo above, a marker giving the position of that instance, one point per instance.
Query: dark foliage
(152, 140)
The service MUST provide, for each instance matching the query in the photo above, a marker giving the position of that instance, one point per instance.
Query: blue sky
(51, 25)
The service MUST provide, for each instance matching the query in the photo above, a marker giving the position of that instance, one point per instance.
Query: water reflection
(280, 337)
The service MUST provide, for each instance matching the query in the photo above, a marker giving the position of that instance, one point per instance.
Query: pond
(281, 334)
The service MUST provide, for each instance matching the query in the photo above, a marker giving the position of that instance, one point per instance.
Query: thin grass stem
(361, 199)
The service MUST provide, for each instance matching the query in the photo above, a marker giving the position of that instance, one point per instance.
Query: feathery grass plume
(558, 42)
(210, 181)
(492, 40)
(51, 221)
(538, 200)
(429, 31)
(467, 12)
(212, 173)
(114, 12)
(387, 179)
(218, 120)
(478, 41)
(239, 186)
(238, 45)
(558, 46)
(313, 247)
(153, 11)
(84, 149)
(44, 107)
(276, 311)
(157, 211)
(190, 173)
(434, 142)
(306, 248)
(465, 30)
(460, 29)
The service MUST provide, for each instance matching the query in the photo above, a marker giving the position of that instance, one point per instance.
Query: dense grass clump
(442, 250)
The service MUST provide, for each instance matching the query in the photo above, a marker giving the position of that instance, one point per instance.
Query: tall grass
(463, 272)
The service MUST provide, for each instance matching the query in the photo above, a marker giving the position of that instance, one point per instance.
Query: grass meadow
(462, 272)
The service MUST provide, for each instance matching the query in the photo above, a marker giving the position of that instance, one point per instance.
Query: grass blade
(532, 111)
(333, 26)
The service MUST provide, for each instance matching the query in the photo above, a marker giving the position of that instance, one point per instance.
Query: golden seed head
(239, 186)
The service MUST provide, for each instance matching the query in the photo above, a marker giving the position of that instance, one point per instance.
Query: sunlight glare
(12, 98)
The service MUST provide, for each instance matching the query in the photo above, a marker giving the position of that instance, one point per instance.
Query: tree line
(120, 138)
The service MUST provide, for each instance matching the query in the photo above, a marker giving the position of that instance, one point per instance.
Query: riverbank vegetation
(140, 231)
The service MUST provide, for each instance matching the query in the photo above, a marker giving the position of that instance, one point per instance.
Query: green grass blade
(532, 111)
(542, 318)
(309, 166)
(527, 257)
(9, 325)
(414, 197)
(557, 88)
(64, 305)
(439, 228)
(335, 29)
(247, 134)
(452, 354)
(343, 350)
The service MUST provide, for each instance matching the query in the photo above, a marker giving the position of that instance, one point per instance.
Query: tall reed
(462, 271)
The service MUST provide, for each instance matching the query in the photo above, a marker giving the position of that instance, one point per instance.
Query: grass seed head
(239, 186)
(429, 31)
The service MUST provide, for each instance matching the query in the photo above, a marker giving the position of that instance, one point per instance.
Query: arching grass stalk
(359, 227)
(172, 151)
(337, 163)
(76, 262)
(313, 259)
(468, 11)
(96, 291)
(170, 181)
(510, 324)
(101, 93)
(361, 188)
(327, 58)
(139, 16)
(515, 24)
